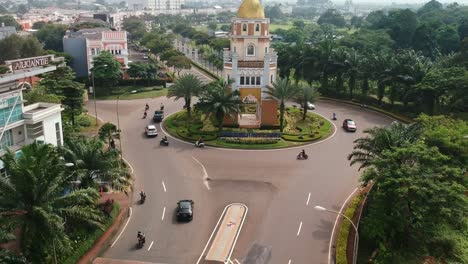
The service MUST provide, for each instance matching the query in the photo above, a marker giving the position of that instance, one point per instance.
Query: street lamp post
(94, 90)
(356, 237)
(118, 122)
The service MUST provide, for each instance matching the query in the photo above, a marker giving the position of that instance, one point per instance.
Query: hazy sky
(464, 2)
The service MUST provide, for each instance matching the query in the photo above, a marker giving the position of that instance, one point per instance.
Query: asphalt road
(279, 190)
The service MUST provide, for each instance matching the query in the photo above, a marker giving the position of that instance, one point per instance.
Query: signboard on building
(27, 63)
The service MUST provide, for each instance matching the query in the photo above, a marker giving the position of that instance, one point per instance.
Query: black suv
(158, 116)
(184, 210)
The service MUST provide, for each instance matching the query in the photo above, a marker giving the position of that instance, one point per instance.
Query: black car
(158, 116)
(184, 210)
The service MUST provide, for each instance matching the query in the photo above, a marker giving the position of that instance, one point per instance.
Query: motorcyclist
(164, 139)
(146, 107)
(144, 115)
(141, 237)
(162, 107)
(142, 195)
(200, 142)
(334, 116)
(302, 154)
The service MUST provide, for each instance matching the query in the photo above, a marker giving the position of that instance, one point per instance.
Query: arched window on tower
(250, 50)
(257, 27)
(244, 27)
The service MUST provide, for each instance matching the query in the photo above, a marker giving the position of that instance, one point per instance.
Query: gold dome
(250, 9)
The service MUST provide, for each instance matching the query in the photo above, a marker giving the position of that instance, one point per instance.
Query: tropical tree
(179, 63)
(186, 86)
(33, 198)
(107, 70)
(107, 132)
(219, 101)
(353, 70)
(306, 94)
(282, 90)
(92, 162)
(379, 139)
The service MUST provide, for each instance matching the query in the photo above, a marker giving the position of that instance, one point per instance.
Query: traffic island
(296, 131)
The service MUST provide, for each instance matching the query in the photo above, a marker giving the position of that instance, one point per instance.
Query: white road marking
(308, 199)
(164, 211)
(164, 186)
(237, 261)
(150, 245)
(289, 262)
(123, 229)
(299, 230)
(334, 226)
(205, 174)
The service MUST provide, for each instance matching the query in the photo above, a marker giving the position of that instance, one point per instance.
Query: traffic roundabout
(279, 190)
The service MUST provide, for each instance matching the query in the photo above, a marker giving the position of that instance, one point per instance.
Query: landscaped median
(296, 132)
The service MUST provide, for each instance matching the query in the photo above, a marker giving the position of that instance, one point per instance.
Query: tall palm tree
(366, 149)
(306, 94)
(91, 161)
(219, 101)
(33, 198)
(282, 90)
(353, 69)
(186, 86)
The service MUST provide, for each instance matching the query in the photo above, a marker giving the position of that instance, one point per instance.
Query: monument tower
(251, 64)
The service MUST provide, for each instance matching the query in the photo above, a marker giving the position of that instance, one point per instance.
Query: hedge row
(244, 140)
(143, 82)
(227, 134)
(301, 137)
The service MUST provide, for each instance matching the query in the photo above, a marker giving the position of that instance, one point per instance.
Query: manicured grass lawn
(142, 92)
(191, 129)
(286, 26)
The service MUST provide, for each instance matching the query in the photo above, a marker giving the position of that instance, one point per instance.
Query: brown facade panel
(262, 29)
(250, 29)
(239, 29)
(230, 120)
(269, 112)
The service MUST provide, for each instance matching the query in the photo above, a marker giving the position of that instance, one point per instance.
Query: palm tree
(306, 94)
(92, 161)
(186, 87)
(353, 70)
(33, 198)
(282, 90)
(368, 148)
(218, 100)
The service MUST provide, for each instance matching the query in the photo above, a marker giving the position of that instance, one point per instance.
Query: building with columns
(251, 64)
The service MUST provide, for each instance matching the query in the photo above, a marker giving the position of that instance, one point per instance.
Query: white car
(151, 131)
(145, 57)
(310, 106)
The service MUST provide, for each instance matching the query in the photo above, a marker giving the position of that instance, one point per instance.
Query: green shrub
(83, 247)
(301, 137)
(249, 140)
(342, 241)
(83, 121)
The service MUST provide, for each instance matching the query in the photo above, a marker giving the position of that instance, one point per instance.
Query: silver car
(151, 131)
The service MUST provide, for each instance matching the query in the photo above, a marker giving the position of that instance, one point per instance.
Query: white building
(19, 124)
(86, 44)
(165, 4)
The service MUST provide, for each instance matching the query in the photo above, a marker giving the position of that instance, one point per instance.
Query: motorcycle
(144, 115)
(199, 144)
(302, 156)
(164, 142)
(141, 241)
(142, 198)
(334, 116)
